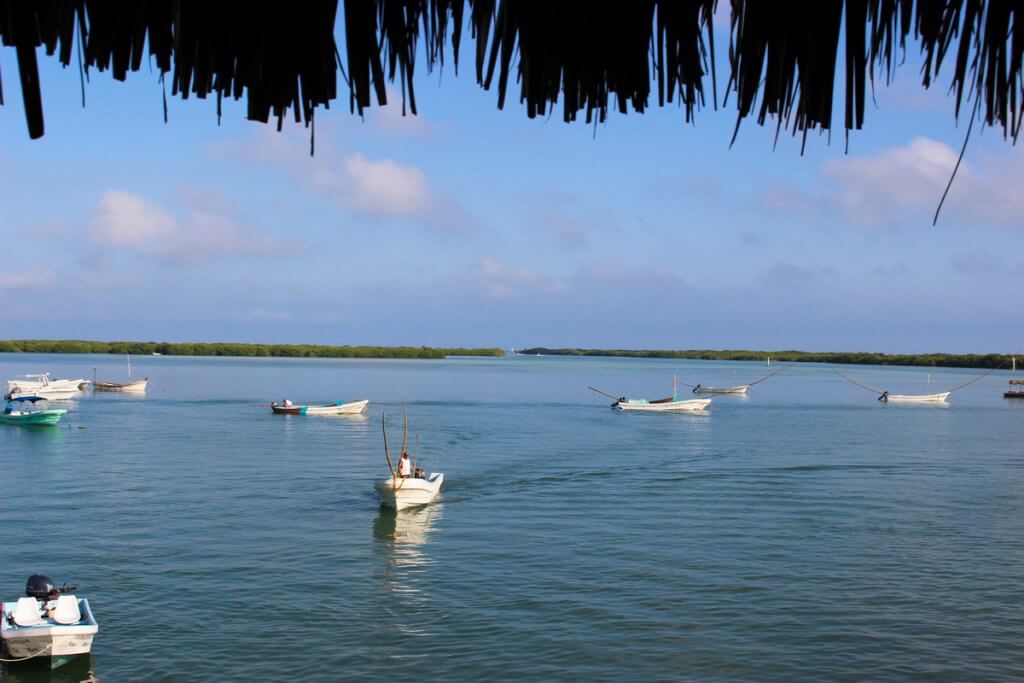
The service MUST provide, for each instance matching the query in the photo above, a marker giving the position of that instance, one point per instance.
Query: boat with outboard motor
(672, 404)
(16, 412)
(408, 486)
(49, 623)
(42, 382)
(286, 407)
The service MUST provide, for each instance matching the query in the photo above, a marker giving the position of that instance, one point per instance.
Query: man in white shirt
(404, 466)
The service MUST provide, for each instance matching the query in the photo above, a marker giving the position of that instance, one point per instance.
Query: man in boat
(404, 466)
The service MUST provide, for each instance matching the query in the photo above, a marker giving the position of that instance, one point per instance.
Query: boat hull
(48, 393)
(672, 406)
(49, 641)
(289, 410)
(1013, 394)
(410, 492)
(922, 398)
(350, 408)
(138, 386)
(35, 386)
(38, 417)
(723, 390)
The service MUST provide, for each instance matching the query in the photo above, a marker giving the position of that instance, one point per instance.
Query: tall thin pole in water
(129, 359)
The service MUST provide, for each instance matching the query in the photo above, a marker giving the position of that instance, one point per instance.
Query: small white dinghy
(49, 623)
(408, 486)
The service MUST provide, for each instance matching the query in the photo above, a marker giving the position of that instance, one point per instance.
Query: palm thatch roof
(584, 57)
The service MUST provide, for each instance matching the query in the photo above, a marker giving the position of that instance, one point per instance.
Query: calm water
(805, 533)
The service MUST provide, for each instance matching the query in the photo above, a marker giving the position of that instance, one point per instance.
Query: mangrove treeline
(946, 360)
(232, 349)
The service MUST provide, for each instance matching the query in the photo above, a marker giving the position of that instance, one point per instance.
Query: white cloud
(905, 184)
(383, 189)
(379, 189)
(498, 281)
(202, 228)
(569, 231)
(28, 280)
(788, 274)
(870, 187)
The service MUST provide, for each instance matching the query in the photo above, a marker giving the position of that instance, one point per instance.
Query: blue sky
(473, 226)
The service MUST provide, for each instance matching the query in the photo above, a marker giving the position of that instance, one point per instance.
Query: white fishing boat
(940, 397)
(408, 486)
(137, 386)
(700, 389)
(672, 404)
(48, 393)
(42, 382)
(48, 624)
(401, 493)
(740, 389)
(286, 407)
(340, 408)
(886, 397)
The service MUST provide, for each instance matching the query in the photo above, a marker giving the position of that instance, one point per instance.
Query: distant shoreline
(945, 360)
(239, 350)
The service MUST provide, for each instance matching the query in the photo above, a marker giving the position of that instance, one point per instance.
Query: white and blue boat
(49, 624)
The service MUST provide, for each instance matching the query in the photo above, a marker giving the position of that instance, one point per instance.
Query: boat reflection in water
(405, 533)
(77, 670)
(406, 603)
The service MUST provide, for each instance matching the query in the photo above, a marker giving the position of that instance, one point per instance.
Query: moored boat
(662, 405)
(137, 386)
(942, 397)
(672, 404)
(16, 413)
(1013, 391)
(41, 385)
(49, 624)
(340, 408)
(700, 389)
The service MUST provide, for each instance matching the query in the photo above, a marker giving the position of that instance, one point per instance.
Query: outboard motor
(40, 587)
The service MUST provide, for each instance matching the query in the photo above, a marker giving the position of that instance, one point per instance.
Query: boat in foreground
(17, 414)
(49, 624)
(401, 493)
(1014, 391)
(339, 408)
(886, 397)
(408, 486)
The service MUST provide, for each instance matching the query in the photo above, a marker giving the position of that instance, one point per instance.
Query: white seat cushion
(67, 611)
(26, 612)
